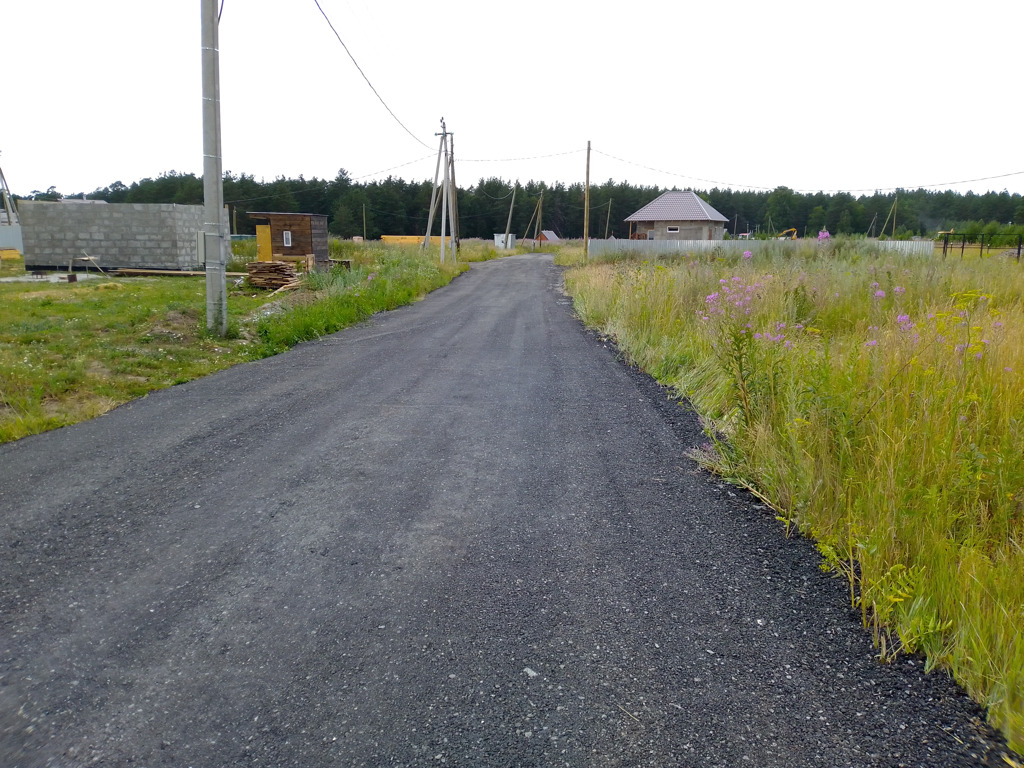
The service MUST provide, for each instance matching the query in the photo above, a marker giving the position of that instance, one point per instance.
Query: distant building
(547, 235)
(678, 216)
(299, 237)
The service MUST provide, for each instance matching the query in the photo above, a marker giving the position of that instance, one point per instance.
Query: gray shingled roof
(677, 206)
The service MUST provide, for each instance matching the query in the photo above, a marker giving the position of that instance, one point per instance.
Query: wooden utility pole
(444, 197)
(526, 232)
(453, 197)
(449, 205)
(433, 190)
(608, 218)
(508, 224)
(540, 218)
(364, 222)
(586, 210)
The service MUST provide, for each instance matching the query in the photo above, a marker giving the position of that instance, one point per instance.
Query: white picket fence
(662, 247)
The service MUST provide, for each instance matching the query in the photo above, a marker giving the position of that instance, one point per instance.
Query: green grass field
(69, 352)
(876, 403)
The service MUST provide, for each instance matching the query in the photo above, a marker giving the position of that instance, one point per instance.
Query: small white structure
(499, 241)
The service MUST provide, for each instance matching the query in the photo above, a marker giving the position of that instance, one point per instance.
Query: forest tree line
(393, 206)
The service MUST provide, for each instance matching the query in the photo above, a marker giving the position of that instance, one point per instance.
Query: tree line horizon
(393, 206)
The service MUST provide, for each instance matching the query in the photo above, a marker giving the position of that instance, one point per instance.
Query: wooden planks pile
(278, 275)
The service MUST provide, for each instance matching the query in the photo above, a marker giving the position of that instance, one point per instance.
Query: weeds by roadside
(875, 402)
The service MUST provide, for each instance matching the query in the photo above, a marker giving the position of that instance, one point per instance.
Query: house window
(287, 238)
(672, 230)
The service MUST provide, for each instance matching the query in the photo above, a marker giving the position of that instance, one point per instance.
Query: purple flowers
(747, 255)
(879, 294)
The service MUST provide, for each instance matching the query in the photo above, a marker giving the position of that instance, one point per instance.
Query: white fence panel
(656, 248)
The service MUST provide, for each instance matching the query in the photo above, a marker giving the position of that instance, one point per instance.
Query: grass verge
(875, 402)
(69, 352)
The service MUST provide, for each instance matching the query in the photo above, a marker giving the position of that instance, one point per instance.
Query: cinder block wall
(128, 235)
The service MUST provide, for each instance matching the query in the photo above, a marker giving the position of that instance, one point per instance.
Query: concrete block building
(115, 235)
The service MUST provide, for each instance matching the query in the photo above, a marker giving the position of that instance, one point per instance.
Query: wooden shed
(297, 237)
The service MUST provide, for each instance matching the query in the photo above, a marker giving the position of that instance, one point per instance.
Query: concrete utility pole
(586, 210)
(212, 237)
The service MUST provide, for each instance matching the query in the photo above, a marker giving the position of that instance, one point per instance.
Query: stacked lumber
(278, 275)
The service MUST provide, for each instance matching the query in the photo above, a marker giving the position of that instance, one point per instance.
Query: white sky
(811, 95)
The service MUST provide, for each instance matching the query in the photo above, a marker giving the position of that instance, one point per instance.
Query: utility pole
(444, 201)
(213, 177)
(540, 218)
(608, 218)
(508, 224)
(433, 189)
(453, 198)
(586, 210)
(364, 222)
(449, 205)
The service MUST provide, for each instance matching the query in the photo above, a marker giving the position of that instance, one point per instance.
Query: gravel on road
(463, 533)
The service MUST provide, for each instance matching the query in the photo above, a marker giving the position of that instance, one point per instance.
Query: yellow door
(263, 247)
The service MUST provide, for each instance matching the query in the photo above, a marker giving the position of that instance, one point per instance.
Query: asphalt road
(463, 533)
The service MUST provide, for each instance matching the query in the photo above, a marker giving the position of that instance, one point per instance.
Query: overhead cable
(414, 136)
(730, 185)
(517, 159)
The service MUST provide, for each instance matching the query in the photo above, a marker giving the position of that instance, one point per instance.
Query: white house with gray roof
(678, 216)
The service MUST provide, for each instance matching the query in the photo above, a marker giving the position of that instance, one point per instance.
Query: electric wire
(517, 159)
(492, 197)
(393, 167)
(730, 185)
(379, 97)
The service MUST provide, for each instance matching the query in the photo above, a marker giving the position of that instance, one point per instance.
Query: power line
(932, 186)
(392, 168)
(492, 197)
(365, 77)
(808, 191)
(517, 159)
(682, 176)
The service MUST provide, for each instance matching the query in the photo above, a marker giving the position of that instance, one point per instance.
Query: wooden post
(608, 218)
(508, 225)
(453, 207)
(444, 198)
(433, 190)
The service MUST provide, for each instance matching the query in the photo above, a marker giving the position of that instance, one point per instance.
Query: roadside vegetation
(875, 402)
(72, 351)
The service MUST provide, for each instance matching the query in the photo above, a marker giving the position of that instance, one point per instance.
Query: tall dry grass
(876, 402)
